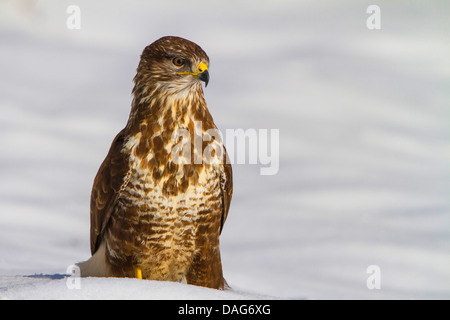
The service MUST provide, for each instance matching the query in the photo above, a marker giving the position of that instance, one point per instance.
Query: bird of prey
(153, 217)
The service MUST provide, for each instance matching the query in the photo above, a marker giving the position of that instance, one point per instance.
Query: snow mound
(57, 286)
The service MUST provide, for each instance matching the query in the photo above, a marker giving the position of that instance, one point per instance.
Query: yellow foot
(138, 272)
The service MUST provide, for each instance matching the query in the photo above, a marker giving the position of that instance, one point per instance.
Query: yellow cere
(201, 67)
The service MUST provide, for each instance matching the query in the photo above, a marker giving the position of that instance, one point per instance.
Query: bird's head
(174, 63)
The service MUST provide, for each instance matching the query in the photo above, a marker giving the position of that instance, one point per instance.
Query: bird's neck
(167, 106)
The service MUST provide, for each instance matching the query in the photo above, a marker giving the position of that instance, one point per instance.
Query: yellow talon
(138, 272)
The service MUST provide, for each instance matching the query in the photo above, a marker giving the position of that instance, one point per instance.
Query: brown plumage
(148, 211)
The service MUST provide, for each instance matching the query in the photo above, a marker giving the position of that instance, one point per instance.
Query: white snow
(363, 117)
(58, 287)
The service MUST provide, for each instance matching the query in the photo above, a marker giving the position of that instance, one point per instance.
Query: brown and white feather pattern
(146, 210)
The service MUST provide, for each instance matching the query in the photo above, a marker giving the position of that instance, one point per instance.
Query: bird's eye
(178, 62)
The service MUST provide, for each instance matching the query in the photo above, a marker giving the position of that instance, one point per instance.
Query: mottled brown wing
(227, 188)
(110, 179)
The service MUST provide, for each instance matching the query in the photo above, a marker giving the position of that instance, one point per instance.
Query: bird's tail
(97, 265)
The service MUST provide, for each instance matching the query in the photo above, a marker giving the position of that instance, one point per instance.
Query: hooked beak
(204, 76)
(201, 74)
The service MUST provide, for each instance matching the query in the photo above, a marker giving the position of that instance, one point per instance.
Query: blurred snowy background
(363, 115)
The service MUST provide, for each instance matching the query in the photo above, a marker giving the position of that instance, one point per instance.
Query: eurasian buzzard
(153, 217)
